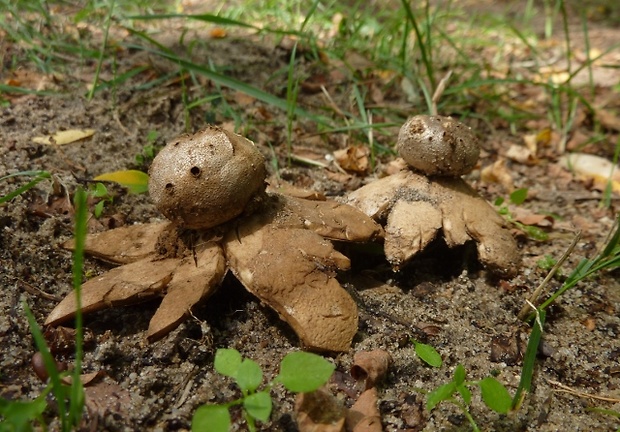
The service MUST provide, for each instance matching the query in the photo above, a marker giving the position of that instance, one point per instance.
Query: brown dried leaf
(521, 154)
(319, 411)
(593, 168)
(86, 378)
(193, 280)
(506, 349)
(608, 119)
(528, 217)
(364, 415)
(354, 158)
(498, 173)
(287, 268)
(123, 245)
(61, 340)
(105, 398)
(370, 366)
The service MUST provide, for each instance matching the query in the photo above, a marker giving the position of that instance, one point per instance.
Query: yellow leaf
(135, 181)
(64, 137)
(591, 167)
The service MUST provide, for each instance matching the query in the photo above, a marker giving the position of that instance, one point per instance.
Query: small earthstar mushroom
(438, 145)
(211, 185)
(430, 197)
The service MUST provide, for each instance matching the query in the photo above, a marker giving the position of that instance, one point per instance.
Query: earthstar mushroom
(417, 203)
(211, 187)
(438, 145)
(202, 180)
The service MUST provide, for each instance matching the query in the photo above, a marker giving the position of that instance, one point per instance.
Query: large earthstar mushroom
(211, 186)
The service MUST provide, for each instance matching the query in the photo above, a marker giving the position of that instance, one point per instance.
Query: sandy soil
(443, 298)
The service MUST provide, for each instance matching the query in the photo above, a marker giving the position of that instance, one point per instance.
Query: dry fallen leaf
(608, 119)
(136, 181)
(370, 366)
(520, 154)
(498, 172)
(353, 159)
(87, 379)
(319, 411)
(105, 398)
(65, 137)
(218, 33)
(528, 217)
(364, 415)
(593, 168)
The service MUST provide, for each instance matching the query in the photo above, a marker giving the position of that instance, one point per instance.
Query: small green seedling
(518, 197)
(300, 372)
(546, 263)
(99, 191)
(427, 354)
(494, 395)
(19, 415)
(148, 151)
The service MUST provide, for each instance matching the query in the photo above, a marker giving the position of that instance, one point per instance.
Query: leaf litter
(465, 310)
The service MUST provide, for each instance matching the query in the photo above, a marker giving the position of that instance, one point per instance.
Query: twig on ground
(38, 292)
(525, 310)
(441, 87)
(566, 389)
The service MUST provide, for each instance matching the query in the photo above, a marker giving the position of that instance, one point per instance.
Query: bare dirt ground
(443, 298)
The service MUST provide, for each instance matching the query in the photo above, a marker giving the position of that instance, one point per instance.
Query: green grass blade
(81, 220)
(235, 84)
(39, 177)
(5, 88)
(120, 79)
(529, 361)
(613, 242)
(608, 259)
(50, 365)
(213, 19)
(93, 88)
(424, 52)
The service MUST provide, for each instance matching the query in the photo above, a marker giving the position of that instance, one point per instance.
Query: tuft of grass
(19, 415)
(608, 259)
